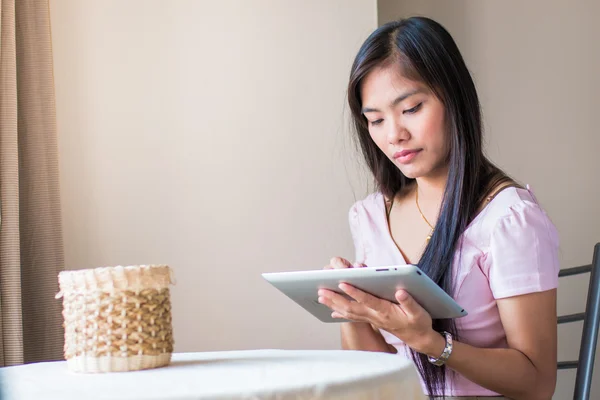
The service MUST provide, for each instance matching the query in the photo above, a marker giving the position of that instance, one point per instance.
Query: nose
(397, 132)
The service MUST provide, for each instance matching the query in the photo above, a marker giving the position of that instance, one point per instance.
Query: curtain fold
(31, 248)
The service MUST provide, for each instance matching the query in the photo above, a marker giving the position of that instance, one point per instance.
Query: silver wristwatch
(441, 360)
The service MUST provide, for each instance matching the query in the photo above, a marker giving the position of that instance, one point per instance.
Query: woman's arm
(527, 369)
(363, 336)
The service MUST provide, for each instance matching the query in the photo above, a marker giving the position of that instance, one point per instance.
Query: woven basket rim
(127, 267)
(129, 277)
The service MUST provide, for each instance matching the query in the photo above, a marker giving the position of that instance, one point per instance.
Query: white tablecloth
(259, 374)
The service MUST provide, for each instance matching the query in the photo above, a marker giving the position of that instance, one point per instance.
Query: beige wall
(536, 66)
(210, 135)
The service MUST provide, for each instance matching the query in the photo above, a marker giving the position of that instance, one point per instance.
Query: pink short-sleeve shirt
(509, 249)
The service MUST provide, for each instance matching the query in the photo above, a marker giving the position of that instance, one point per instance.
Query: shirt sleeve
(523, 256)
(353, 219)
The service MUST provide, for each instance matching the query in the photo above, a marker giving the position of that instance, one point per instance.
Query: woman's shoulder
(376, 202)
(511, 213)
(520, 244)
(510, 201)
(370, 208)
(371, 202)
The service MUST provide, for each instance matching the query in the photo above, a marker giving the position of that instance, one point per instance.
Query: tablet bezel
(382, 282)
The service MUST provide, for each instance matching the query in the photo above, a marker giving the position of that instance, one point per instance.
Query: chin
(412, 173)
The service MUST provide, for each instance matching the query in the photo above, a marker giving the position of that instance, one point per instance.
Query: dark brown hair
(424, 51)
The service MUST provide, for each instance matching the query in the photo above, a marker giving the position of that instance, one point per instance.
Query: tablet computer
(382, 282)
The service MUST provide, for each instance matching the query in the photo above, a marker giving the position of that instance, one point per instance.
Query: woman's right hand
(359, 335)
(340, 263)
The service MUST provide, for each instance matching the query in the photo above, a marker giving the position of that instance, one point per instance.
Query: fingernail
(320, 300)
(402, 295)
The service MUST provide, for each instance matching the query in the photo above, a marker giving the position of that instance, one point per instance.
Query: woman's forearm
(362, 336)
(505, 371)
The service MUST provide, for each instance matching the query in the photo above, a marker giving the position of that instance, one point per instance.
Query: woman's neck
(431, 187)
(430, 190)
(430, 194)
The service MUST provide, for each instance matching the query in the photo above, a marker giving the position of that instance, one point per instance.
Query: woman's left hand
(406, 320)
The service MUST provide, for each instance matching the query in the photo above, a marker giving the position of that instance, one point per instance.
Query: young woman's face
(406, 121)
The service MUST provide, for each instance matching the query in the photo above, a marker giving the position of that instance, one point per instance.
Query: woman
(440, 203)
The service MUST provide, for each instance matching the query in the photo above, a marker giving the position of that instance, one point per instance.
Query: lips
(404, 153)
(405, 156)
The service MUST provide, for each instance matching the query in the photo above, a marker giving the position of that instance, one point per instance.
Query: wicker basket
(117, 318)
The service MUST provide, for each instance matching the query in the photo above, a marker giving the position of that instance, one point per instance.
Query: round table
(255, 374)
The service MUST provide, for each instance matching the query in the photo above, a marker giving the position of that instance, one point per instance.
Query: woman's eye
(377, 122)
(413, 110)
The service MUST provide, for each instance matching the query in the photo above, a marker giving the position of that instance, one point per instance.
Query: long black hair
(424, 51)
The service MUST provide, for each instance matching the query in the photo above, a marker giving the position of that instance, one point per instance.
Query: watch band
(441, 360)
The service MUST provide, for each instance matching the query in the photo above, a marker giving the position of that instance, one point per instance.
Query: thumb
(339, 263)
(408, 304)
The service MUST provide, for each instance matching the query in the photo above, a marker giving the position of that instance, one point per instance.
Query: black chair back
(591, 320)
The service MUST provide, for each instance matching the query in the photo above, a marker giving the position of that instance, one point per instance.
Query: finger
(339, 309)
(348, 309)
(358, 265)
(335, 298)
(351, 314)
(362, 297)
(337, 315)
(407, 302)
(360, 304)
(340, 263)
(326, 301)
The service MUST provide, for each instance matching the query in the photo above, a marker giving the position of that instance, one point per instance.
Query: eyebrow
(396, 101)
